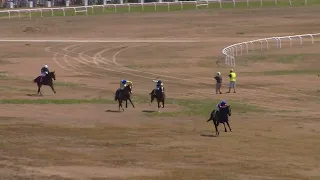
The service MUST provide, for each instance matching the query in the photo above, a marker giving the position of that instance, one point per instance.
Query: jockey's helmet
(231, 70)
(218, 73)
(46, 66)
(223, 102)
(124, 81)
(159, 82)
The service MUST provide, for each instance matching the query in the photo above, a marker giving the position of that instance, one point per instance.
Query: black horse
(46, 80)
(222, 116)
(124, 95)
(159, 95)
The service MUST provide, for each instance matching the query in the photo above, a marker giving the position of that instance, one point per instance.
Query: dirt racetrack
(58, 136)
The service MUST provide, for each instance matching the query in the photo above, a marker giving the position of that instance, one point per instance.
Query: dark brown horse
(159, 95)
(124, 95)
(46, 80)
(220, 117)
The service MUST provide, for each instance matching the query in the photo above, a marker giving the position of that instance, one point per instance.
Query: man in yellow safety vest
(232, 78)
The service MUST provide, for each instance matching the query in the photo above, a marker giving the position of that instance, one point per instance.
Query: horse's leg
(120, 105)
(51, 85)
(216, 124)
(131, 102)
(39, 87)
(158, 105)
(126, 103)
(229, 126)
(163, 103)
(225, 129)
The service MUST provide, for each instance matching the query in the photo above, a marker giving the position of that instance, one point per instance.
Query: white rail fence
(230, 52)
(168, 6)
(114, 8)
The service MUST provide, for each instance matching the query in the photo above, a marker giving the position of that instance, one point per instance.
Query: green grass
(12, 89)
(283, 58)
(297, 72)
(68, 84)
(55, 101)
(191, 107)
(3, 74)
(203, 107)
(173, 7)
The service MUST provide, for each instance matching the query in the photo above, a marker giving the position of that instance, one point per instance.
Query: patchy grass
(16, 89)
(68, 84)
(300, 60)
(3, 74)
(56, 101)
(204, 107)
(291, 72)
(297, 72)
(291, 59)
(283, 58)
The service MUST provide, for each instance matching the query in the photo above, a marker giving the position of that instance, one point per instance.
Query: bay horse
(221, 117)
(124, 95)
(46, 80)
(159, 95)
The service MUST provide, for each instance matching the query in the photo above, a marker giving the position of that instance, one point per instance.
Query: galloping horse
(47, 81)
(159, 95)
(221, 117)
(124, 95)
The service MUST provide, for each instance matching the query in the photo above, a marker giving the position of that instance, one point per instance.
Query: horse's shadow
(148, 111)
(34, 95)
(208, 135)
(113, 111)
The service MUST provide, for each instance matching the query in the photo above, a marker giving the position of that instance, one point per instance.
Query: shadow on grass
(34, 95)
(113, 111)
(208, 134)
(148, 111)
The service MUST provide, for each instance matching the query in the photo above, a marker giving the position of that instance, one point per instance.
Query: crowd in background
(42, 3)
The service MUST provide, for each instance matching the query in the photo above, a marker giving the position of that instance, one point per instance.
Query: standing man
(232, 84)
(218, 79)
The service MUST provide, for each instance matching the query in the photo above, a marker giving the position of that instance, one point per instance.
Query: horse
(47, 81)
(124, 95)
(159, 95)
(220, 117)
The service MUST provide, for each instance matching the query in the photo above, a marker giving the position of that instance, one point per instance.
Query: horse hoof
(231, 130)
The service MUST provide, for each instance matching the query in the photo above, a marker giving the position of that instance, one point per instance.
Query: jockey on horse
(220, 115)
(44, 72)
(159, 86)
(123, 83)
(223, 103)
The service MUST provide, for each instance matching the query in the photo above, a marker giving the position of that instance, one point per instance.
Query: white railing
(230, 52)
(115, 8)
(128, 6)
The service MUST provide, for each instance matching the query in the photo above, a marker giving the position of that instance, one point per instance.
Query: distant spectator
(218, 79)
(232, 78)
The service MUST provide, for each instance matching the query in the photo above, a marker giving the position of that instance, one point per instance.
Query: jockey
(159, 85)
(44, 71)
(124, 83)
(221, 104)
